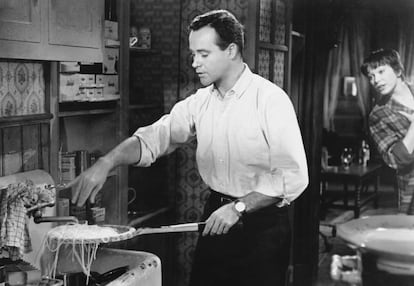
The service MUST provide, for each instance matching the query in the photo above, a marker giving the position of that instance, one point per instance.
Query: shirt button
(221, 161)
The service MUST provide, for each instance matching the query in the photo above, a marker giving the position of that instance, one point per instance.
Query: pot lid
(391, 237)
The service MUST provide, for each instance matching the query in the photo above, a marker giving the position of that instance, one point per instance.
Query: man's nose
(195, 63)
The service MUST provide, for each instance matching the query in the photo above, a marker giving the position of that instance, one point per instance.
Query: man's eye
(204, 55)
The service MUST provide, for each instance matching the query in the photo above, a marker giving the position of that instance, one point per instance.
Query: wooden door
(268, 52)
(268, 40)
(20, 21)
(76, 25)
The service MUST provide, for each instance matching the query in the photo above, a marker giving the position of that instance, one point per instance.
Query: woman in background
(391, 119)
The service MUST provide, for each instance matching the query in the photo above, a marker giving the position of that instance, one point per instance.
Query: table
(361, 177)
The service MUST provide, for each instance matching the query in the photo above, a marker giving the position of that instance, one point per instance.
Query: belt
(220, 198)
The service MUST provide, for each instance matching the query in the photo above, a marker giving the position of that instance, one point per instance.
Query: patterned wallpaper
(191, 191)
(22, 88)
(172, 40)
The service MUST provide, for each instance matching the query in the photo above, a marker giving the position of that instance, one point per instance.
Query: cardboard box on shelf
(109, 83)
(110, 61)
(111, 30)
(69, 86)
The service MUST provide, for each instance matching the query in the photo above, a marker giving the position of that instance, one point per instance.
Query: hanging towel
(14, 231)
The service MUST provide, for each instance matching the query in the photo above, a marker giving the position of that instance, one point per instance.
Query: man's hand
(89, 182)
(409, 116)
(408, 139)
(221, 220)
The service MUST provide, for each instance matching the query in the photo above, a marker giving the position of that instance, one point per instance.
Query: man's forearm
(126, 153)
(255, 201)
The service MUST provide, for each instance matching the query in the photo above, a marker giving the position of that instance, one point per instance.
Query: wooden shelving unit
(144, 106)
(143, 52)
(85, 112)
(97, 126)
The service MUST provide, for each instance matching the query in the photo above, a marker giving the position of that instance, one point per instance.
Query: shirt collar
(241, 84)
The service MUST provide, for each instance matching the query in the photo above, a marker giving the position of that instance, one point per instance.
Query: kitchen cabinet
(55, 30)
(96, 126)
(20, 23)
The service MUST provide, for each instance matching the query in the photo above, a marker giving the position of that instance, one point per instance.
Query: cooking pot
(385, 244)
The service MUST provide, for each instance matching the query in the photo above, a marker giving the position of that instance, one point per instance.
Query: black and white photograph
(206, 142)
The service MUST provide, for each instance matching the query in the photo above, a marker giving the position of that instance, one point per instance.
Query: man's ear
(233, 50)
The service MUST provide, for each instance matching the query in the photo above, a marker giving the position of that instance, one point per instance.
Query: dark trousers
(255, 254)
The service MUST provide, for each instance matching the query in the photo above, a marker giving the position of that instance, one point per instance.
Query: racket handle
(237, 226)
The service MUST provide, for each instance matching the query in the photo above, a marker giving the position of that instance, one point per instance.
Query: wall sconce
(350, 87)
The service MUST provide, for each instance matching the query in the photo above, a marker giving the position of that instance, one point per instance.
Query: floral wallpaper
(22, 88)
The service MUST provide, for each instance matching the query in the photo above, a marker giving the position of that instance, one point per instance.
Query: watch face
(240, 207)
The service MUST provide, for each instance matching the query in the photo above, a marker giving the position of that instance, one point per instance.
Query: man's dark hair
(228, 28)
(383, 57)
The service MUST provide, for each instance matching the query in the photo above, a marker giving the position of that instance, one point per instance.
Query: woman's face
(383, 79)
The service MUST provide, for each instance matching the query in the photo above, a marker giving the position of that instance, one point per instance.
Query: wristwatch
(240, 207)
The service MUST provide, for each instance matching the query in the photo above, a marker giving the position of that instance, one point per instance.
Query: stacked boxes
(78, 87)
(93, 81)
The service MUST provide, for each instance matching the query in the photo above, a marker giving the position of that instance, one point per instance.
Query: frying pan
(389, 237)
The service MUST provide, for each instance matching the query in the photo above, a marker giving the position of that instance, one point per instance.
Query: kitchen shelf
(18, 120)
(85, 112)
(142, 52)
(144, 106)
(68, 109)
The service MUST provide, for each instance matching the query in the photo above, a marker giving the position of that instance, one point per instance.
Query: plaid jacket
(387, 128)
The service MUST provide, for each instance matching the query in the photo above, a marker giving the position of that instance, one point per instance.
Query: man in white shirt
(250, 153)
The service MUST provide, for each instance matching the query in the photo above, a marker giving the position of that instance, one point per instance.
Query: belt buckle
(224, 200)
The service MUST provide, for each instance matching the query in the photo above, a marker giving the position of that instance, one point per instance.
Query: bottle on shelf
(347, 157)
(364, 153)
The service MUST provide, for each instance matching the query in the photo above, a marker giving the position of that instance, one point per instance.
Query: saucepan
(385, 244)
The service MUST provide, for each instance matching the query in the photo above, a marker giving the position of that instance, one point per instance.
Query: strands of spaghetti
(81, 240)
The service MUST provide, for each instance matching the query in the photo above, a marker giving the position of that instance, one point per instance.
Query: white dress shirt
(248, 140)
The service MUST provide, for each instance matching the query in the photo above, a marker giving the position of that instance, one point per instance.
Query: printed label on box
(110, 61)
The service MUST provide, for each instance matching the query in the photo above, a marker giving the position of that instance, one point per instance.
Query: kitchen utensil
(388, 237)
(127, 232)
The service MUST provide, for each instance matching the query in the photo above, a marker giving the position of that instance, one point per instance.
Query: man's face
(210, 62)
(383, 79)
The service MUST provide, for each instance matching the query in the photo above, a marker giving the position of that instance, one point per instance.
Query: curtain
(406, 44)
(338, 65)
(359, 48)
(345, 60)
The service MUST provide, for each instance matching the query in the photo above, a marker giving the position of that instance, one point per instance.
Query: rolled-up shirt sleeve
(165, 135)
(401, 155)
(288, 175)
(388, 128)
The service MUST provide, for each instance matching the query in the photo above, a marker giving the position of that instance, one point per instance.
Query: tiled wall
(22, 88)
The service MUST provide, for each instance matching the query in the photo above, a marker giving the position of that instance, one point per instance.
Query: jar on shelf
(364, 153)
(347, 157)
(144, 38)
